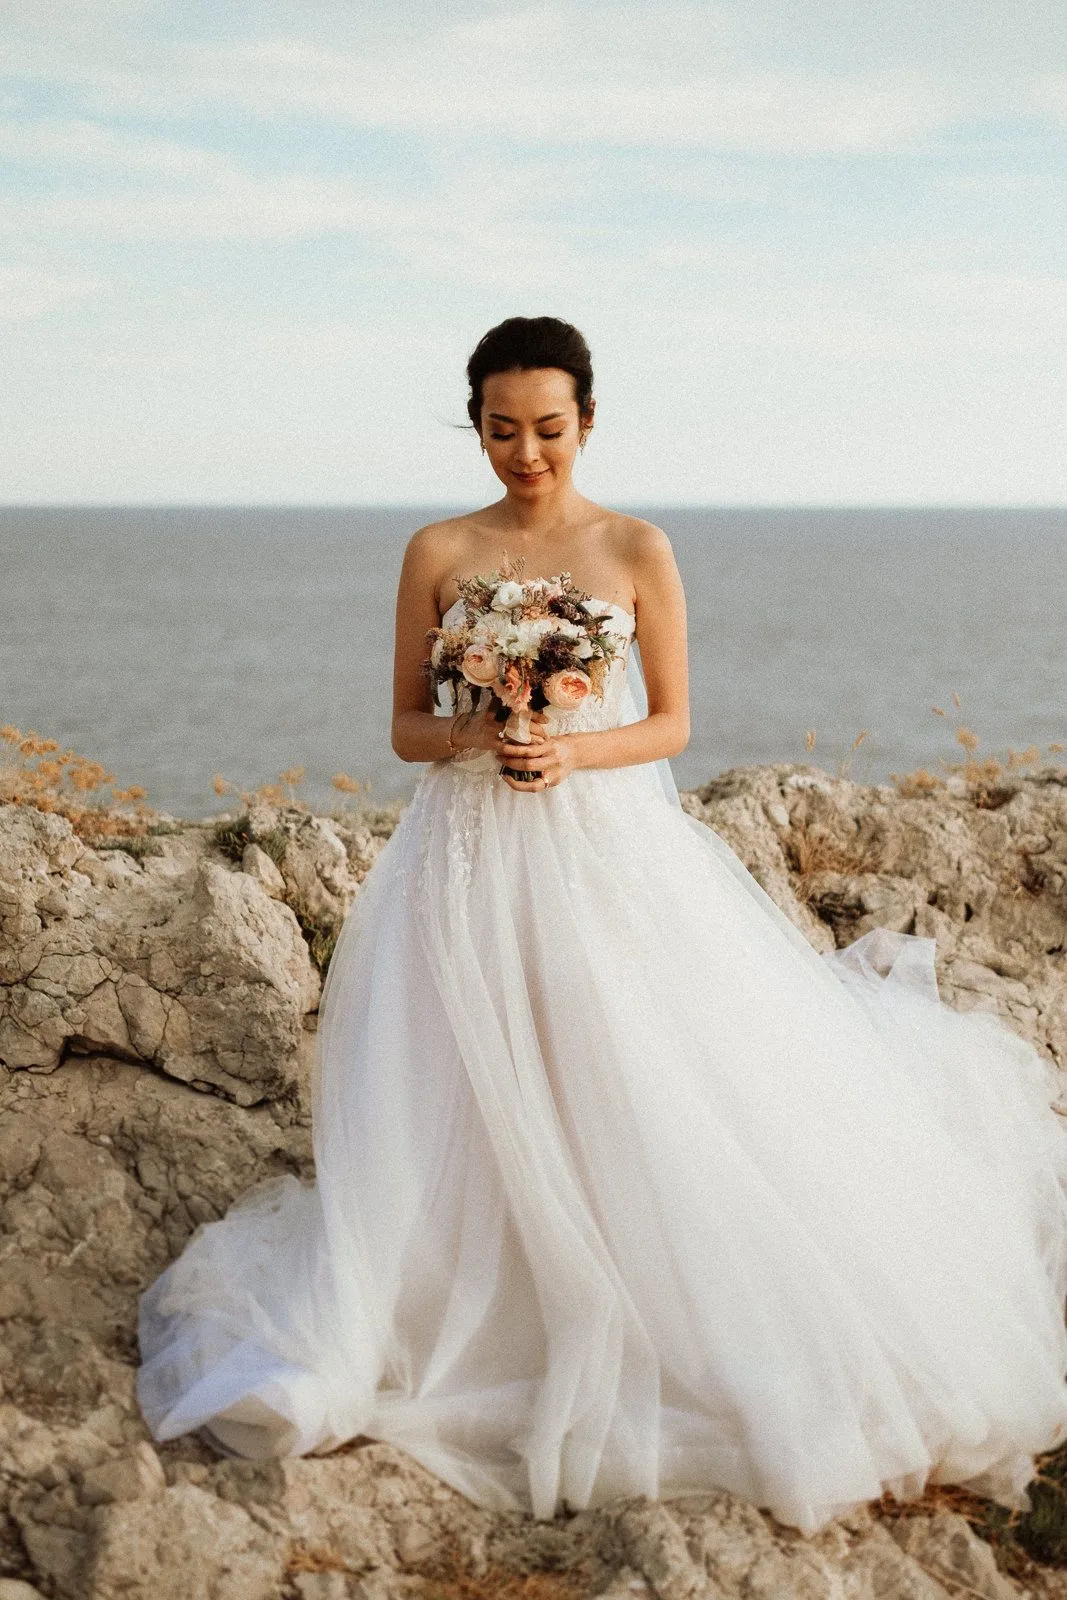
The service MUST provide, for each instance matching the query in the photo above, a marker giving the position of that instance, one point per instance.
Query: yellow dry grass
(812, 849)
(983, 776)
(35, 771)
(449, 1575)
(1024, 1543)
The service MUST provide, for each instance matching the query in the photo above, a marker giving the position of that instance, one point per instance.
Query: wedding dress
(623, 1188)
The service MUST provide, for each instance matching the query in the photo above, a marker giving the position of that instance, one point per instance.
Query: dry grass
(38, 773)
(811, 849)
(983, 777)
(1023, 1542)
(449, 1575)
(34, 771)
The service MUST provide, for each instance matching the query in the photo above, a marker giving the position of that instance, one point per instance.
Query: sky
(817, 250)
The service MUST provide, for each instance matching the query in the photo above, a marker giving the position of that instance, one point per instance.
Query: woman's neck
(539, 519)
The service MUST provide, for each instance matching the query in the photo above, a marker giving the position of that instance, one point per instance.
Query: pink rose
(568, 688)
(516, 689)
(480, 665)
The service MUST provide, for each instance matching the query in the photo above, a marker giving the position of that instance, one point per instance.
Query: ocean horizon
(172, 643)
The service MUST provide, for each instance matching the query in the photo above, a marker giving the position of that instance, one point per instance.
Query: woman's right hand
(479, 732)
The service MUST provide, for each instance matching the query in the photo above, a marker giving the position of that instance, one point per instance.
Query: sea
(190, 647)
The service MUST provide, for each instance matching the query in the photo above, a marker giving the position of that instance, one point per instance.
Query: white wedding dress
(622, 1188)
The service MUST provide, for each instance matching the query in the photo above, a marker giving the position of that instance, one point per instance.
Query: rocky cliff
(157, 1016)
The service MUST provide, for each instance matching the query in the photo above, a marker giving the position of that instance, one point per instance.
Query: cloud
(1049, 96)
(27, 292)
(552, 74)
(78, 143)
(813, 250)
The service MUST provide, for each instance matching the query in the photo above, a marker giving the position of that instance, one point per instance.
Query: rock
(138, 1476)
(180, 961)
(945, 1546)
(185, 1545)
(127, 984)
(987, 882)
(322, 1586)
(258, 864)
(655, 1545)
(311, 860)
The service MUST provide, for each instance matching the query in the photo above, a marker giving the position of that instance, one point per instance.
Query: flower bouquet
(526, 645)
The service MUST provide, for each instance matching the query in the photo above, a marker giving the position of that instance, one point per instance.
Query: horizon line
(456, 506)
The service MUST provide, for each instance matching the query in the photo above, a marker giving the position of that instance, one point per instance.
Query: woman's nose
(527, 449)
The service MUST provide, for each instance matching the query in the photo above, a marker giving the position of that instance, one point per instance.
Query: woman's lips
(530, 477)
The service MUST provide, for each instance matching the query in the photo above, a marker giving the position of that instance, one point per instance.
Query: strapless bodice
(626, 618)
(593, 714)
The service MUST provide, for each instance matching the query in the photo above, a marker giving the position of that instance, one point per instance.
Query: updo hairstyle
(526, 343)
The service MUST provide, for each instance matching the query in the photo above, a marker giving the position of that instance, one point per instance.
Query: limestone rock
(946, 1547)
(988, 882)
(178, 961)
(138, 1476)
(311, 859)
(746, 808)
(121, 977)
(186, 1545)
(258, 864)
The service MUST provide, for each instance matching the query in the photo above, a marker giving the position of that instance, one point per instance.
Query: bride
(621, 1186)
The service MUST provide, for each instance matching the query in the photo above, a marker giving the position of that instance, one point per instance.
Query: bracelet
(452, 748)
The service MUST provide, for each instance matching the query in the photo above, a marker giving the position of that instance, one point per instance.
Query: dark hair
(526, 343)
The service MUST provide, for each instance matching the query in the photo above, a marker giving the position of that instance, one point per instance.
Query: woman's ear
(585, 423)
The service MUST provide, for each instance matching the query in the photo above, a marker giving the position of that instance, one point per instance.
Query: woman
(621, 1187)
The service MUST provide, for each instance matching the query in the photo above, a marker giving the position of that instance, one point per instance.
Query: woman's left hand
(553, 756)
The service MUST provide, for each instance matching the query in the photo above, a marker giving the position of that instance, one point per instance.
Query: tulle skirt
(623, 1188)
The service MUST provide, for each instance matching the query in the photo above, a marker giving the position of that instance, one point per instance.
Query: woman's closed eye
(558, 435)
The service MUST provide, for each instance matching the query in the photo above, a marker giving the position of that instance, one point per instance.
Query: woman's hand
(479, 732)
(553, 757)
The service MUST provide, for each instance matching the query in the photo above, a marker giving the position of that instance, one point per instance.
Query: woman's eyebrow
(498, 416)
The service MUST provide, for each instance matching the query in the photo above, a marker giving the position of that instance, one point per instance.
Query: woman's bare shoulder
(442, 535)
(435, 548)
(634, 541)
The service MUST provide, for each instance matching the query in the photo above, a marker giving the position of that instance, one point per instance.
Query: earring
(582, 440)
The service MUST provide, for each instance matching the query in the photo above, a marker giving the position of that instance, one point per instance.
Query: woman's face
(531, 428)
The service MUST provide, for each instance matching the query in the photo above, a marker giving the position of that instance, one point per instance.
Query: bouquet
(525, 645)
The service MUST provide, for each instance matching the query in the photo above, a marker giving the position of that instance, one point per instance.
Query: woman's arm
(417, 733)
(661, 634)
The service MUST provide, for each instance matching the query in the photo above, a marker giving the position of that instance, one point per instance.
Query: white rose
(507, 595)
(509, 640)
(530, 635)
(583, 649)
(437, 652)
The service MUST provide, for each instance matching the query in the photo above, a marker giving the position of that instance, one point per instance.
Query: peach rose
(568, 688)
(480, 665)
